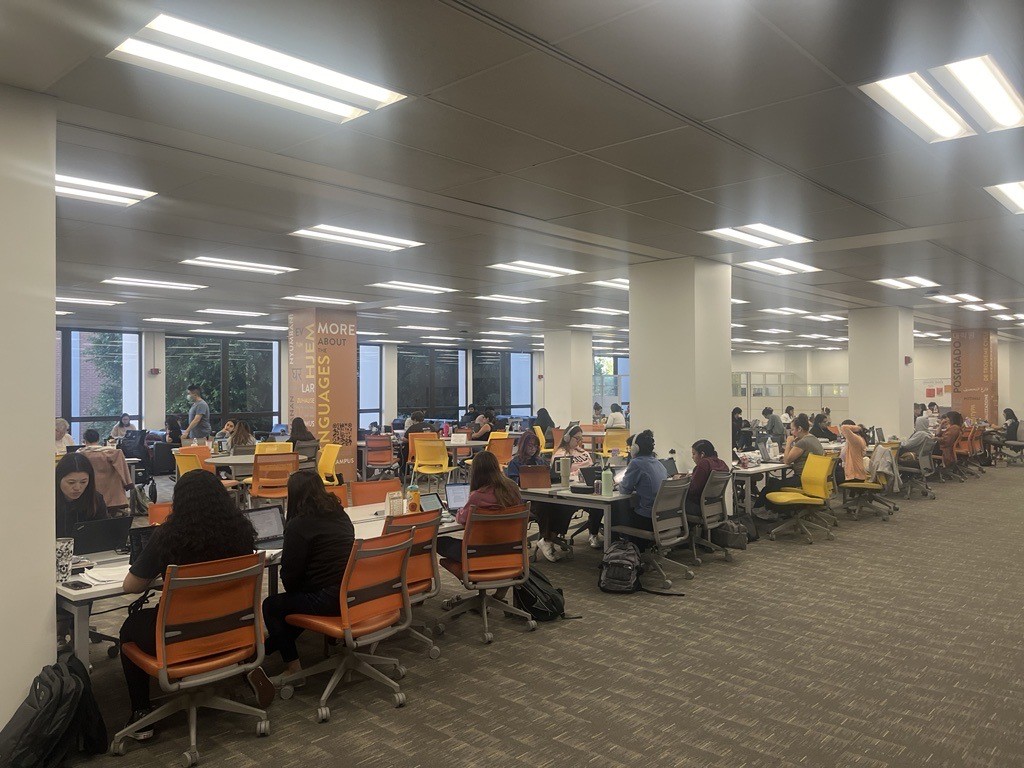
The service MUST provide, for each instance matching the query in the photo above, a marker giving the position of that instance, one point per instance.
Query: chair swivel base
(190, 703)
(801, 521)
(652, 559)
(345, 662)
(480, 602)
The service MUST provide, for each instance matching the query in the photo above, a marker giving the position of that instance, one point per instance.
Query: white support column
(1011, 376)
(154, 385)
(28, 132)
(568, 376)
(389, 396)
(881, 382)
(679, 354)
(538, 381)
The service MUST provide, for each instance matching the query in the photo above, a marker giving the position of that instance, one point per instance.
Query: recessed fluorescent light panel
(784, 311)
(813, 335)
(437, 344)
(89, 302)
(238, 266)
(398, 285)
(753, 351)
(320, 300)
(513, 319)
(779, 267)
(419, 328)
(381, 333)
(61, 312)
(1004, 318)
(973, 307)
(356, 237)
(944, 299)
(421, 310)
(738, 301)
(822, 318)
(767, 343)
(174, 322)
(509, 299)
(537, 270)
(231, 312)
(142, 283)
(913, 101)
(1011, 195)
(499, 333)
(737, 325)
(981, 88)
(771, 330)
(620, 283)
(603, 311)
(592, 327)
(966, 297)
(758, 235)
(442, 338)
(265, 327)
(99, 191)
(219, 333)
(829, 349)
(905, 283)
(799, 346)
(202, 55)
(995, 307)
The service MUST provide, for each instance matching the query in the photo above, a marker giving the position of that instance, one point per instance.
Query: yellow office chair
(807, 502)
(615, 439)
(268, 447)
(326, 467)
(540, 436)
(493, 435)
(431, 459)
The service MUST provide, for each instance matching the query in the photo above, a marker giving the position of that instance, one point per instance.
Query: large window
(369, 373)
(503, 381)
(431, 380)
(611, 380)
(240, 378)
(99, 377)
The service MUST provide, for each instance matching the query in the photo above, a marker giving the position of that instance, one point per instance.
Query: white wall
(538, 381)
(27, 219)
(389, 402)
(829, 367)
(154, 386)
(569, 383)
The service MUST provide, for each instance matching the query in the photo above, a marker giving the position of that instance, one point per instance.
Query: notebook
(269, 525)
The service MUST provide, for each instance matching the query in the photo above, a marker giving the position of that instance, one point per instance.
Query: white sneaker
(547, 549)
(596, 542)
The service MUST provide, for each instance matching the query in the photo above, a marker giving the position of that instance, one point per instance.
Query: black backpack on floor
(540, 598)
(620, 571)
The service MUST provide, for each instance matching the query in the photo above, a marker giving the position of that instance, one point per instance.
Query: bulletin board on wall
(933, 390)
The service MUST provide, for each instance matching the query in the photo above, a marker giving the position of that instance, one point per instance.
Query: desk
(742, 485)
(243, 464)
(563, 497)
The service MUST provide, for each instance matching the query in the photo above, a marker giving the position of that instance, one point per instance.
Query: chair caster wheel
(113, 651)
(190, 758)
(697, 561)
(488, 638)
(439, 628)
(398, 672)
(263, 728)
(286, 692)
(666, 584)
(398, 700)
(771, 536)
(688, 575)
(434, 652)
(119, 748)
(323, 714)
(451, 602)
(831, 536)
(531, 625)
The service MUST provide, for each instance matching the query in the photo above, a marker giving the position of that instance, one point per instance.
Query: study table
(563, 497)
(368, 520)
(743, 484)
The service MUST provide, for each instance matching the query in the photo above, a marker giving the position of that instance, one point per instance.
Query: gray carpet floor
(898, 644)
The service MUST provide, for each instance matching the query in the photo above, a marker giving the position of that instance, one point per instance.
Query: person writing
(205, 524)
(77, 499)
(616, 419)
(318, 539)
(854, 450)
(643, 478)
(61, 437)
(705, 461)
(198, 427)
(124, 424)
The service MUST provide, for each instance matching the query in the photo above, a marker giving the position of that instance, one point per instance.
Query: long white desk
(367, 519)
(743, 482)
(562, 496)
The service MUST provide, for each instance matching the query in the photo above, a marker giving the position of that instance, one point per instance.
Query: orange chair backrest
(463, 453)
(422, 563)
(501, 447)
(373, 491)
(374, 584)
(495, 539)
(272, 447)
(379, 450)
(270, 471)
(202, 451)
(535, 477)
(341, 491)
(200, 617)
(159, 511)
(556, 436)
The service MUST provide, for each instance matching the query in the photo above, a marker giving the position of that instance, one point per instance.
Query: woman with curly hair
(204, 525)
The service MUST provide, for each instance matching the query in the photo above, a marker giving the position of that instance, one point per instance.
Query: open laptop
(879, 435)
(72, 448)
(762, 447)
(457, 495)
(101, 535)
(670, 467)
(138, 538)
(269, 525)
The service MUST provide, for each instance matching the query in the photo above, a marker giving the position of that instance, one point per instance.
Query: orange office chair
(373, 492)
(556, 438)
(341, 491)
(422, 574)
(495, 555)
(380, 456)
(270, 473)
(159, 511)
(501, 447)
(208, 629)
(374, 602)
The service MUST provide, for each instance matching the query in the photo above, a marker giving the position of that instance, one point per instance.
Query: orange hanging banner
(322, 379)
(974, 372)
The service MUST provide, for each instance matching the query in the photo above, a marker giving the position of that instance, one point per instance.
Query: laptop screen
(138, 538)
(430, 502)
(670, 467)
(268, 522)
(457, 494)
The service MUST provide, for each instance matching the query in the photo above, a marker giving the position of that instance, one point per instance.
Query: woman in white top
(61, 436)
(122, 427)
(788, 415)
(616, 419)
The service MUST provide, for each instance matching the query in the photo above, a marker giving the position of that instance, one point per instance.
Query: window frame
(379, 411)
(505, 406)
(66, 381)
(430, 408)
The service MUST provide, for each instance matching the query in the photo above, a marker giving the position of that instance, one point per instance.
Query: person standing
(773, 425)
(198, 416)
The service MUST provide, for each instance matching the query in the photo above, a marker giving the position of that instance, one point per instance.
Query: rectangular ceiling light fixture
(442, 338)
(621, 283)
(753, 351)
(905, 283)
(829, 349)
(320, 300)
(779, 267)
(509, 299)
(421, 310)
(981, 88)
(603, 311)
(239, 266)
(143, 283)
(265, 327)
(419, 328)
(1004, 318)
(973, 307)
(785, 311)
(913, 101)
(740, 340)
(995, 307)
(767, 343)
(771, 330)
(813, 335)
(592, 327)
(758, 235)
(1011, 195)
(535, 269)
(202, 55)
(437, 344)
(970, 297)
(512, 319)
(231, 312)
(737, 325)
(356, 237)
(62, 312)
(799, 346)
(942, 299)
(219, 333)
(99, 191)
(174, 322)
(88, 302)
(823, 318)
(399, 285)
(499, 333)
(381, 333)
(738, 301)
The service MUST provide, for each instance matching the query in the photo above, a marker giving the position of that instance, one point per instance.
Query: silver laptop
(457, 495)
(269, 525)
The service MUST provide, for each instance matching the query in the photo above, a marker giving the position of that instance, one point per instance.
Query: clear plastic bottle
(412, 498)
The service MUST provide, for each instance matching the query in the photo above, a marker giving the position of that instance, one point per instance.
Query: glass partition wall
(753, 390)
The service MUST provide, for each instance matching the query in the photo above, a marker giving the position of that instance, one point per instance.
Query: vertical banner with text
(322, 373)
(974, 374)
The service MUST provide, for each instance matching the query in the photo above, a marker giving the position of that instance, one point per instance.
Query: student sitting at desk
(482, 426)
(644, 476)
(949, 432)
(488, 489)
(853, 451)
(204, 525)
(572, 447)
(820, 428)
(527, 455)
(799, 444)
(299, 432)
(616, 419)
(910, 449)
(773, 425)
(318, 540)
(123, 426)
(240, 437)
(705, 461)
(113, 477)
(61, 437)
(225, 432)
(77, 498)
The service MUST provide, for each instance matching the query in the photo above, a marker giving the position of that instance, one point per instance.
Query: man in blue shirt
(198, 416)
(643, 478)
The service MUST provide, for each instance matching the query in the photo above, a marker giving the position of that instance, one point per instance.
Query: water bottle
(564, 469)
(195, 441)
(412, 498)
(607, 482)
(768, 447)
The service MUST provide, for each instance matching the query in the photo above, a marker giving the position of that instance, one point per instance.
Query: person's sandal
(262, 687)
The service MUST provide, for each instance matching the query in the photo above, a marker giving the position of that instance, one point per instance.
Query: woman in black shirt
(204, 525)
(820, 427)
(318, 540)
(77, 500)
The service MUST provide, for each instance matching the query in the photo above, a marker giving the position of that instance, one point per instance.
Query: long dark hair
(87, 503)
(1009, 415)
(299, 432)
(204, 523)
(543, 420)
(527, 441)
(241, 434)
(172, 425)
(954, 417)
(307, 496)
(485, 472)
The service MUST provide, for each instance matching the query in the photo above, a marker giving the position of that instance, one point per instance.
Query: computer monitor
(879, 435)
(138, 538)
(457, 495)
(762, 447)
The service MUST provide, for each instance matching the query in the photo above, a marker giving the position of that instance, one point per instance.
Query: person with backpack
(643, 478)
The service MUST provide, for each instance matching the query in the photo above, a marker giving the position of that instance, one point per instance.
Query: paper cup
(65, 552)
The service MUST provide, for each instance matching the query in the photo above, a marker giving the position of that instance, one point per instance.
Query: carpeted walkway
(898, 644)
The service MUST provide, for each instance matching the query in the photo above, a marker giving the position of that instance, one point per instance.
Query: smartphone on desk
(77, 584)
